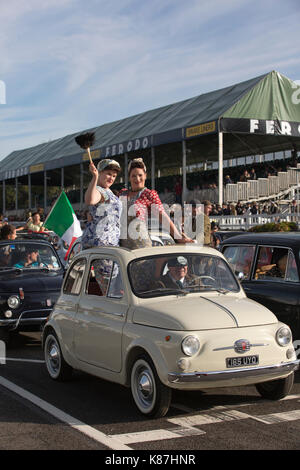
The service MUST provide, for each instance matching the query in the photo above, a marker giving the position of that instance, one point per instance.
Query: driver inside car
(30, 259)
(177, 275)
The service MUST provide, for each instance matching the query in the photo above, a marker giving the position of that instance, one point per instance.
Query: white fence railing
(246, 221)
(262, 187)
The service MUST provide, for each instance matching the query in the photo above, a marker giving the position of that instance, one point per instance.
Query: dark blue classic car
(268, 266)
(31, 276)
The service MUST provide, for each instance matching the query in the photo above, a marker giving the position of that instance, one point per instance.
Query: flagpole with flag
(63, 221)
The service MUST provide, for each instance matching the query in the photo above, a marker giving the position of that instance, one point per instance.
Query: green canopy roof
(259, 115)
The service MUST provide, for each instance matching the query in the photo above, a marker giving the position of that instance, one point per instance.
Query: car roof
(22, 241)
(130, 255)
(265, 238)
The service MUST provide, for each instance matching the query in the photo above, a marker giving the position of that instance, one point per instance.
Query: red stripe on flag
(70, 246)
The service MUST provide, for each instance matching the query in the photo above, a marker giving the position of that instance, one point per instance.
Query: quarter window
(276, 264)
(240, 258)
(105, 279)
(292, 271)
(73, 281)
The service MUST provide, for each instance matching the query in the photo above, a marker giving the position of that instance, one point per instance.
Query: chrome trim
(223, 308)
(17, 321)
(245, 372)
(251, 346)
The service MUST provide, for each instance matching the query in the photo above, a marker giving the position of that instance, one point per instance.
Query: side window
(74, 251)
(105, 279)
(116, 287)
(240, 258)
(291, 270)
(271, 263)
(73, 281)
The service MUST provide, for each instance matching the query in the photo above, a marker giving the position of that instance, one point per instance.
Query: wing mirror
(240, 275)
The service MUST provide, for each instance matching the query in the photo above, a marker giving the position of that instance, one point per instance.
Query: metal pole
(62, 178)
(81, 185)
(3, 197)
(184, 189)
(45, 190)
(152, 168)
(220, 168)
(29, 191)
(126, 169)
(16, 186)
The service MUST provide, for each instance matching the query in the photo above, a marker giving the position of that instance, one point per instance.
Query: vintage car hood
(203, 313)
(33, 281)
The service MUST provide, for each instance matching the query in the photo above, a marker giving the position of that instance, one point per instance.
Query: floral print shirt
(104, 229)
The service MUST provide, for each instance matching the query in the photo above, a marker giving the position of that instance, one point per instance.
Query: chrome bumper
(245, 372)
(14, 323)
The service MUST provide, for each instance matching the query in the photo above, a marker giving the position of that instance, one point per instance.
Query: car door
(67, 304)
(240, 258)
(278, 291)
(101, 315)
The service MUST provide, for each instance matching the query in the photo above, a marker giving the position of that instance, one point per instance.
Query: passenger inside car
(276, 270)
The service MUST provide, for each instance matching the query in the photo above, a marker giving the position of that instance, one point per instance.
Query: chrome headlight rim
(190, 345)
(13, 301)
(283, 336)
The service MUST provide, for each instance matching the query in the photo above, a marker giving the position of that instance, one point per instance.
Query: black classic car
(268, 266)
(31, 276)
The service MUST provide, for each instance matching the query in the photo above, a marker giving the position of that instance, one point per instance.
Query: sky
(70, 65)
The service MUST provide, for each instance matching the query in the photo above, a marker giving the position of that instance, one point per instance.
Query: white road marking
(203, 419)
(109, 441)
(156, 435)
(278, 417)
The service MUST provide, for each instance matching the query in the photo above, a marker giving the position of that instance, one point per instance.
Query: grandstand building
(252, 120)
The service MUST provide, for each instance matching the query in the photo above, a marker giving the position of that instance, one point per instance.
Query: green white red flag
(63, 221)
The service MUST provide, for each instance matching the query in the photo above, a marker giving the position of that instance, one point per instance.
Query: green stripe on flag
(60, 217)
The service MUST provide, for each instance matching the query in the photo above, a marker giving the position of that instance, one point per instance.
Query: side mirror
(240, 276)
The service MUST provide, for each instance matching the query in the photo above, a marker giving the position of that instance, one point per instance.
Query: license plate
(242, 361)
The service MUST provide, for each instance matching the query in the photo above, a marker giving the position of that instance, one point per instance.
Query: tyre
(57, 367)
(276, 389)
(151, 397)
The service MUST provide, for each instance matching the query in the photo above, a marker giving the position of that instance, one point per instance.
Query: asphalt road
(88, 413)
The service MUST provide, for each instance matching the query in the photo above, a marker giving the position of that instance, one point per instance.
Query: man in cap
(177, 276)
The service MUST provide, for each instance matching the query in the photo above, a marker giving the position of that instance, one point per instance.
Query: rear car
(31, 276)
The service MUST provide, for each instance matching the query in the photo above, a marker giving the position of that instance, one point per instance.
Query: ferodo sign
(261, 126)
(130, 146)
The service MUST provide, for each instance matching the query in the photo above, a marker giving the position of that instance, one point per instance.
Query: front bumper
(274, 371)
(26, 318)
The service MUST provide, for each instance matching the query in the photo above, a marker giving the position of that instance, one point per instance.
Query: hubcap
(53, 358)
(145, 385)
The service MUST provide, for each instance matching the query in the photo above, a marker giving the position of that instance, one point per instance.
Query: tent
(256, 116)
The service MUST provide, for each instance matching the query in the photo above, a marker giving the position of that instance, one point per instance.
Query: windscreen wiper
(166, 291)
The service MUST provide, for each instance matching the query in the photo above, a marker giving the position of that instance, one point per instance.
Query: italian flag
(63, 221)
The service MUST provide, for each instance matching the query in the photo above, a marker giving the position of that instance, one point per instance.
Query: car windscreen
(180, 274)
(28, 255)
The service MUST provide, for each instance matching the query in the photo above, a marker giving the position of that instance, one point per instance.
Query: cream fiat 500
(163, 318)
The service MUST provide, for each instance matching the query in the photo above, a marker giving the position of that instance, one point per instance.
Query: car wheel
(57, 367)
(151, 397)
(276, 389)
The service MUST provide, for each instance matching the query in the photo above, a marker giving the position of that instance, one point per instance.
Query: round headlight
(190, 345)
(13, 301)
(283, 336)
